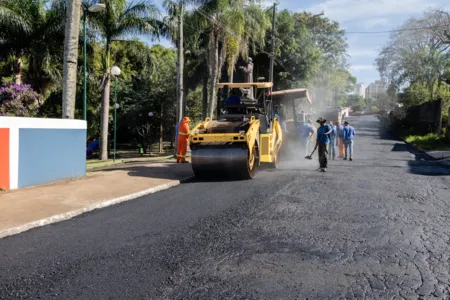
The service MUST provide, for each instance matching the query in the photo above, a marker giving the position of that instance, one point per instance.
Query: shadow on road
(170, 171)
(422, 164)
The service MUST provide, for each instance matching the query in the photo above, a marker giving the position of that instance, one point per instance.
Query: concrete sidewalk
(27, 208)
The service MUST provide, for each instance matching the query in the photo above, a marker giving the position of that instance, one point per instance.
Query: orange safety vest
(183, 129)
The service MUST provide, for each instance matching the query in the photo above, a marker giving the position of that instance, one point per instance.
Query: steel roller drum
(230, 163)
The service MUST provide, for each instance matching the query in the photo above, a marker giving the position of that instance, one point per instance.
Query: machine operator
(233, 99)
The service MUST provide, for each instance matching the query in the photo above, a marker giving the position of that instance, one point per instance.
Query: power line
(396, 30)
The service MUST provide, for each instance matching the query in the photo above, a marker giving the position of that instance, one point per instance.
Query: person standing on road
(306, 131)
(348, 134)
(333, 140)
(323, 140)
(340, 141)
(183, 138)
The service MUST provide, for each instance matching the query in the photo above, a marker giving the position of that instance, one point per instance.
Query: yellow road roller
(245, 134)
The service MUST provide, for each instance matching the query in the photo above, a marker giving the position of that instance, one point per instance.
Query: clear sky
(362, 16)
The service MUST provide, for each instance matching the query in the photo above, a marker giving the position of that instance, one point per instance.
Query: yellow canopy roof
(291, 94)
(245, 85)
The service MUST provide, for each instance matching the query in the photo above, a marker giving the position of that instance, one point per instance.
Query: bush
(357, 108)
(430, 141)
(18, 101)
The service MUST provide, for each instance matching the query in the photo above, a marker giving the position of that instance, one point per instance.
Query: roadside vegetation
(417, 65)
(429, 142)
(128, 35)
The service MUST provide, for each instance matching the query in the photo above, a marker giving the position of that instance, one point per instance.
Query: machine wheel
(252, 163)
(276, 160)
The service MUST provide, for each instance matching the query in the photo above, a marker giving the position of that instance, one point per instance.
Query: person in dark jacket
(323, 140)
(333, 140)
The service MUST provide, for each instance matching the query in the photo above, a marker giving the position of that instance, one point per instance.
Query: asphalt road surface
(374, 228)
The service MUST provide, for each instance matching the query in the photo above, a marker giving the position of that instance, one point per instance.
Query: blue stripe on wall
(47, 155)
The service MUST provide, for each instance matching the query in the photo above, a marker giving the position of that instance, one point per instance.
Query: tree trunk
(205, 95)
(106, 92)
(161, 130)
(18, 70)
(104, 119)
(439, 117)
(213, 73)
(71, 58)
(180, 65)
(231, 77)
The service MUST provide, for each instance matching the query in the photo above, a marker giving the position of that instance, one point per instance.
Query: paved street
(374, 228)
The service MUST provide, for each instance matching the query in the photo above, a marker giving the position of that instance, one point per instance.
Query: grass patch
(96, 164)
(429, 142)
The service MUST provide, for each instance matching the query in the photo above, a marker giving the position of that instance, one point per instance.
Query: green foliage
(18, 101)
(415, 94)
(430, 141)
(355, 100)
(418, 59)
(306, 49)
(146, 93)
(33, 31)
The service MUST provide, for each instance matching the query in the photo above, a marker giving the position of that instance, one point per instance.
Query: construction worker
(348, 134)
(340, 140)
(183, 138)
(333, 140)
(323, 140)
(306, 132)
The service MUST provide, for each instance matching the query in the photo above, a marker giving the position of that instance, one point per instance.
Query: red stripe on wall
(4, 158)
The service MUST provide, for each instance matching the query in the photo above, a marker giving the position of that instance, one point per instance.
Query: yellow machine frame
(268, 143)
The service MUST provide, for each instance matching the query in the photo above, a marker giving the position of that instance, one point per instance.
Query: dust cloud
(292, 153)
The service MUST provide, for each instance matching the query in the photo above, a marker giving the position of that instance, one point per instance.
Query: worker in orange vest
(183, 138)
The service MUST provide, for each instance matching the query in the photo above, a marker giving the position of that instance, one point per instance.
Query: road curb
(442, 162)
(69, 215)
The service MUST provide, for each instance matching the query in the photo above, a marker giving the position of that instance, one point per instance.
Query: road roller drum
(229, 163)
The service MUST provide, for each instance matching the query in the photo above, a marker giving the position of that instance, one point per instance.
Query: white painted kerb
(18, 122)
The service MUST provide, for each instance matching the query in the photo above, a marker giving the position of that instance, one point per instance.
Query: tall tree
(33, 32)
(418, 57)
(413, 55)
(230, 26)
(120, 19)
(71, 58)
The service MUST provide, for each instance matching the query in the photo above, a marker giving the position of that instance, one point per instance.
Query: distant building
(360, 89)
(379, 87)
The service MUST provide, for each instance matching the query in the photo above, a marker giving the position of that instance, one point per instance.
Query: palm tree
(72, 34)
(232, 27)
(121, 18)
(34, 31)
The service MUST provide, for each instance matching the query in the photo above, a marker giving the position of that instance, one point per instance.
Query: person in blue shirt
(348, 134)
(323, 140)
(233, 99)
(306, 131)
(340, 141)
(333, 140)
(278, 112)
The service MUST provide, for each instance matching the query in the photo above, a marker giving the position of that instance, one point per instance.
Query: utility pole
(272, 53)
(180, 69)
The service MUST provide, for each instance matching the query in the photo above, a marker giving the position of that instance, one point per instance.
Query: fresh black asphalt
(374, 228)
